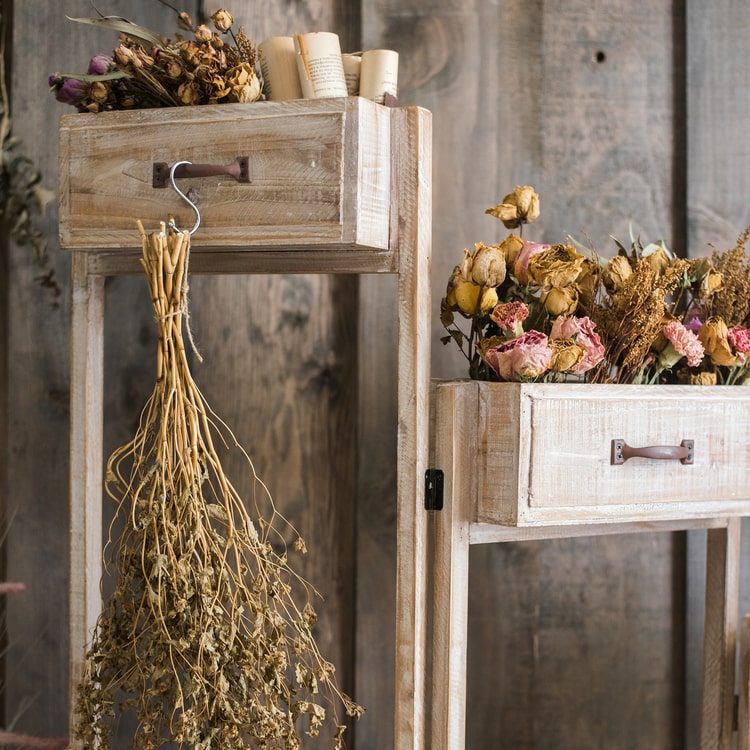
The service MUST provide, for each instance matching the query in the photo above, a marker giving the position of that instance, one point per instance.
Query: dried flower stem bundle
(202, 638)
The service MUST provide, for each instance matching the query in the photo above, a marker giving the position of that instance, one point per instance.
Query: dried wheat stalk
(203, 638)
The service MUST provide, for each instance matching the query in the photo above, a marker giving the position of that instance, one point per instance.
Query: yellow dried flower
(511, 246)
(617, 271)
(559, 266)
(713, 335)
(517, 208)
(560, 300)
(702, 378)
(566, 354)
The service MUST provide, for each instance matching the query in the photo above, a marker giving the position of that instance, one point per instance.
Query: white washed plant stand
(485, 444)
(372, 167)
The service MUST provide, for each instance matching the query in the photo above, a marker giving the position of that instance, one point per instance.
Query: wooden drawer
(542, 453)
(320, 175)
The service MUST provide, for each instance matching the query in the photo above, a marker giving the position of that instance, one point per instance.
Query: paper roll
(321, 71)
(278, 63)
(352, 64)
(378, 74)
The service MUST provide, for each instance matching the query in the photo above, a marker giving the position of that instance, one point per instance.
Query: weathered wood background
(617, 112)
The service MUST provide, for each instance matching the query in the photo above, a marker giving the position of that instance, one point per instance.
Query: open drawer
(317, 175)
(543, 454)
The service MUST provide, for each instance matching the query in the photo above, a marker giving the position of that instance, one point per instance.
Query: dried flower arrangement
(203, 638)
(150, 70)
(552, 313)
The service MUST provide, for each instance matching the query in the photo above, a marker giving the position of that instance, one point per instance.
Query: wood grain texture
(518, 97)
(39, 374)
(716, 150)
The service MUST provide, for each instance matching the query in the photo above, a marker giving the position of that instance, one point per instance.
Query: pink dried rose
(682, 343)
(521, 264)
(522, 358)
(510, 316)
(739, 338)
(581, 330)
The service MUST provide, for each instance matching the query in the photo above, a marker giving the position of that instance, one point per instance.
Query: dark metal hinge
(433, 489)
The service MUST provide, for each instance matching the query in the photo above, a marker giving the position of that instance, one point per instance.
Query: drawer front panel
(320, 174)
(545, 453)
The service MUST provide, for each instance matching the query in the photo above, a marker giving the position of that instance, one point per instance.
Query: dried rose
(566, 355)
(558, 266)
(189, 93)
(509, 317)
(203, 33)
(517, 208)
(702, 378)
(98, 92)
(617, 271)
(658, 260)
(511, 246)
(470, 298)
(560, 300)
(488, 265)
(713, 334)
(521, 263)
(100, 64)
(581, 330)
(222, 20)
(68, 90)
(682, 343)
(243, 84)
(522, 358)
(739, 338)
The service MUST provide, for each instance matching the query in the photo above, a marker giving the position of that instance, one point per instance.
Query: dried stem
(203, 638)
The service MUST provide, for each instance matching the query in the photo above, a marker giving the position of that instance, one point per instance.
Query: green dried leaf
(122, 25)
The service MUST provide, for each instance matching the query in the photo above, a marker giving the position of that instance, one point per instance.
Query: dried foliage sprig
(203, 638)
(552, 313)
(23, 198)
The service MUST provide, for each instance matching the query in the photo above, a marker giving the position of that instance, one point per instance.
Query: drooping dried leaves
(203, 639)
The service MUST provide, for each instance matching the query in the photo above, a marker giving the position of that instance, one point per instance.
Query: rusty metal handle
(684, 452)
(240, 169)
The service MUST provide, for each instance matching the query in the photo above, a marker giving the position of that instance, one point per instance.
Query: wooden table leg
(743, 719)
(451, 574)
(720, 636)
(86, 407)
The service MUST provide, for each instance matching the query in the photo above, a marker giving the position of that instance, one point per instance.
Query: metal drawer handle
(240, 169)
(683, 452)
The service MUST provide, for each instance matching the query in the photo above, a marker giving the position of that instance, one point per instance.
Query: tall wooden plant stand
(330, 186)
(544, 461)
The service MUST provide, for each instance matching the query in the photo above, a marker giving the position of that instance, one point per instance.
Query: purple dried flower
(100, 64)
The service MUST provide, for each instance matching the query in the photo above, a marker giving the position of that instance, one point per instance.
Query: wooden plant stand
(336, 186)
(527, 462)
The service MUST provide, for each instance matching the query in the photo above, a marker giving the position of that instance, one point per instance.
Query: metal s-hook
(185, 198)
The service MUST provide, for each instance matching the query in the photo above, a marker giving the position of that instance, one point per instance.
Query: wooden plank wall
(573, 644)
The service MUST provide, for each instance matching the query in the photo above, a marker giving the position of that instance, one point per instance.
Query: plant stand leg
(720, 636)
(86, 451)
(451, 578)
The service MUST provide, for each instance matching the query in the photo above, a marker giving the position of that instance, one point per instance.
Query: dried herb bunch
(150, 70)
(540, 312)
(203, 638)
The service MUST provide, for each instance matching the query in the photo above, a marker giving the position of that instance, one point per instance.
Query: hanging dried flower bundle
(203, 638)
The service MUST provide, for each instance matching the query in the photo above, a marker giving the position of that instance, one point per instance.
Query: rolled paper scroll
(321, 71)
(352, 64)
(379, 74)
(278, 63)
